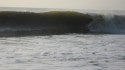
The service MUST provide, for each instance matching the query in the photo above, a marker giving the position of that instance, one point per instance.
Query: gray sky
(71, 4)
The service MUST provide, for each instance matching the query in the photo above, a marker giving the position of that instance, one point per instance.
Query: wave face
(54, 22)
(112, 24)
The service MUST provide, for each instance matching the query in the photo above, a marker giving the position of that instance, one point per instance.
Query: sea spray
(112, 24)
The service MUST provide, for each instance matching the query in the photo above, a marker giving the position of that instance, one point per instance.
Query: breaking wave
(59, 22)
(111, 24)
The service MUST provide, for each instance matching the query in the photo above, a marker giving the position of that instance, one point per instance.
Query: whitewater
(63, 52)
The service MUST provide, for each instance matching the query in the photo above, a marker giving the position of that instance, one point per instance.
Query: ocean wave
(59, 22)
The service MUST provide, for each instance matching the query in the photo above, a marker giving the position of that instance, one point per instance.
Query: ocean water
(63, 52)
(102, 51)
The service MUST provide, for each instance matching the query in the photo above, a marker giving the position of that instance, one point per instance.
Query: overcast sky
(71, 4)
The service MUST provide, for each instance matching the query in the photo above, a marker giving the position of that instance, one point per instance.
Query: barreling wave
(59, 22)
(110, 24)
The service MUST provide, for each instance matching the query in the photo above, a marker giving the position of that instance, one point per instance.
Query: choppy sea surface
(63, 52)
